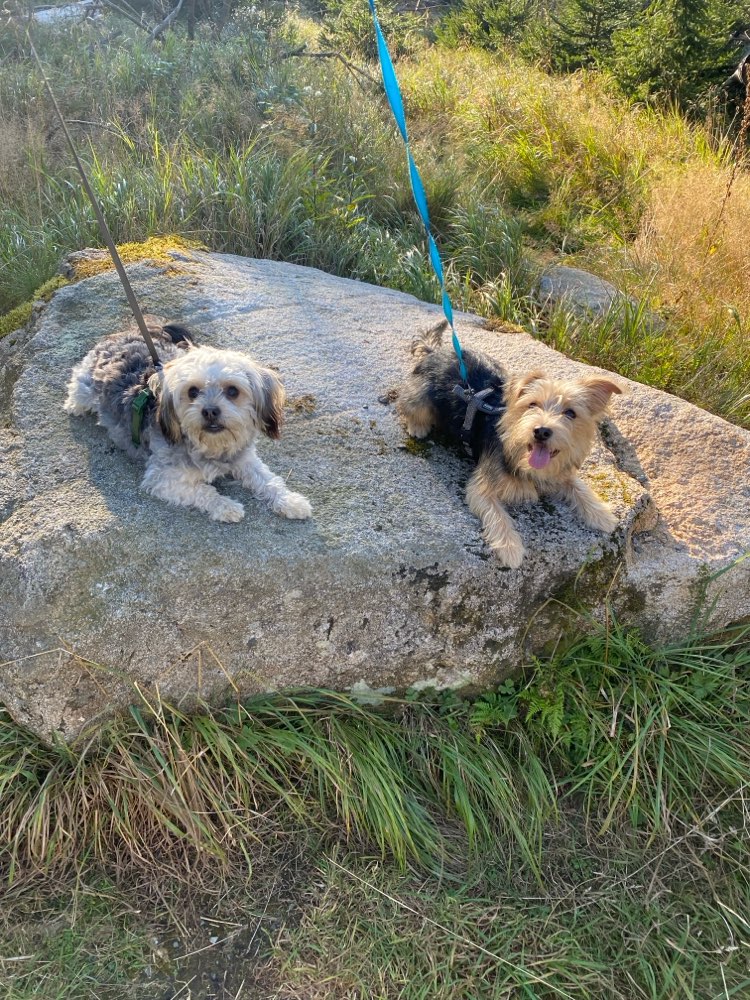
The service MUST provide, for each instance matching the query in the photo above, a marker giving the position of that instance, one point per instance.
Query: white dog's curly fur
(209, 406)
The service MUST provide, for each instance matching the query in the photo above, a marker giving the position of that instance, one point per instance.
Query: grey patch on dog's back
(121, 367)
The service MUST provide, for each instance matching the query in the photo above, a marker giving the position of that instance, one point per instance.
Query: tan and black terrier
(539, 436)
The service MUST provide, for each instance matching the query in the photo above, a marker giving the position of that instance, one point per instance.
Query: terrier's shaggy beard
(549, 426)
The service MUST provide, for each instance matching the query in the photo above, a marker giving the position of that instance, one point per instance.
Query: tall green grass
(160, 784)
(578, 831)
(708, 372)
(236, 144)
(651, 737)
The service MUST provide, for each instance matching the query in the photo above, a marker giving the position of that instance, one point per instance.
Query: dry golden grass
(11, 149)
(699, 241)
(478, 99)
(21, 144)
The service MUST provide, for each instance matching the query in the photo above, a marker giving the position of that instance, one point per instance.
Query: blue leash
(393, 93)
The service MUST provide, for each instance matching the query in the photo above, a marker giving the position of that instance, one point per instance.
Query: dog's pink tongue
(539, 456)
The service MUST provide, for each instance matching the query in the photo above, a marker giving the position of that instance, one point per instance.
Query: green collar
(140, 404)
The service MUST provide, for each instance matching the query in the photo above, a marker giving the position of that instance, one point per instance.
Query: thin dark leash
(103, 228)
(145, 397)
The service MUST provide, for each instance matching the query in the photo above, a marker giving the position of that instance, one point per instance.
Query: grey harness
(475, 403)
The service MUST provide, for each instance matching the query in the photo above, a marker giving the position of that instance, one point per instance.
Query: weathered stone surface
(580, 290)
(390, 584)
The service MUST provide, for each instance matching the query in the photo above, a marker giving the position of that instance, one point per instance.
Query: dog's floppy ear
(521, 385)
(166, 415)
(271, 403)
(597, 393)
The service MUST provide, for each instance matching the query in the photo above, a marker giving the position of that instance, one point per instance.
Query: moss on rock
(21, 315)
(158, 250)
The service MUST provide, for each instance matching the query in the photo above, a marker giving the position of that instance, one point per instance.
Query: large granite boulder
(106, 592)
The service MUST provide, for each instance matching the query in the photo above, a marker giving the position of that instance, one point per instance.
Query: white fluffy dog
(197, 418)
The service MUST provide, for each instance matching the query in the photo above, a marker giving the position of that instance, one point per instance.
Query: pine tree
(582, 30)
(677, 50)
(490, 24)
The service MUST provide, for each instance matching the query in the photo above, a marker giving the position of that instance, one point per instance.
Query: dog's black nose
(542, 433)
(211, 413)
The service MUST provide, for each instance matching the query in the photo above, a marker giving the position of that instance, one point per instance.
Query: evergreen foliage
(488, 24)
(347, 28)
(581, 31)
(677, 50)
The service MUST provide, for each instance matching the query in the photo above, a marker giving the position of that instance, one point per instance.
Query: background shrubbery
(679, 51)
(249, 141)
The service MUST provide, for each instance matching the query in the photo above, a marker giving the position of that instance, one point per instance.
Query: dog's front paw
(509, 552)
(294, 506)
(226, 510)
(72, 406)
(602, 519)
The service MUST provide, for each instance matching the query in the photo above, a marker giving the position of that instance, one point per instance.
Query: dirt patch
(305, 404)
(143, 939)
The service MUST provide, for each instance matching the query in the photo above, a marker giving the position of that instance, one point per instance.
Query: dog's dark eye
(193, 392)
(533, 404)
(570, 414)
(231, 392)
